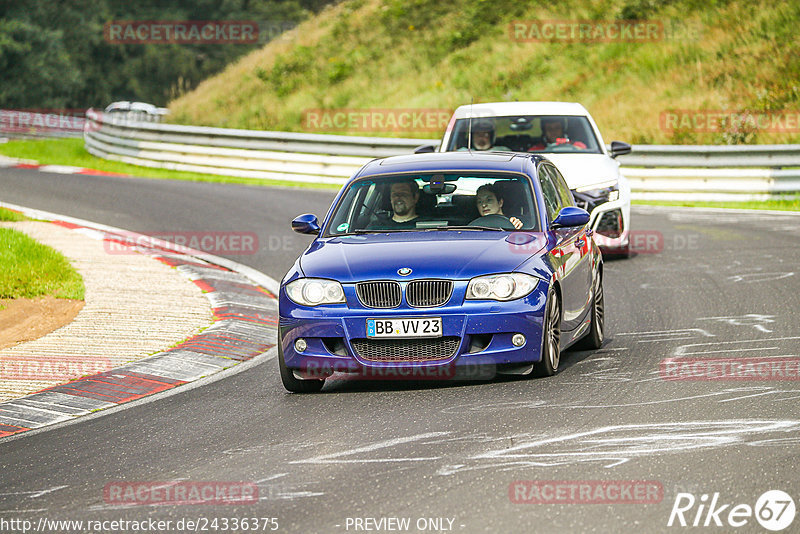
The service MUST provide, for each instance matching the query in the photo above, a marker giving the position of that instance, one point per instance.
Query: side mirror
(306, 224)
(570, 216)
(424, 149)
(618, 148)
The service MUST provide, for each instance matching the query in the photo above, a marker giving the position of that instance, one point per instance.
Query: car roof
(450, 161)
(506, 109)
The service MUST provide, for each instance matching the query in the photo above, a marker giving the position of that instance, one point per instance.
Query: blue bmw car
(431, 263)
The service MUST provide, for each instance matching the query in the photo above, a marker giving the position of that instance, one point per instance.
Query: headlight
(599, 193)
(315, 291)
(510, 286)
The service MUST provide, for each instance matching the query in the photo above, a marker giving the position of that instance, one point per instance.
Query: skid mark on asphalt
(618, 444)
(609, 446)
(660, 336)
(725, 395)
(13, 497)
(281, 490)
(756, 320)
(758, 346)
(338, 457)
(759, 277)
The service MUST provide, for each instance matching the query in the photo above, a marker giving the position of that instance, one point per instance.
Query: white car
(571, 141)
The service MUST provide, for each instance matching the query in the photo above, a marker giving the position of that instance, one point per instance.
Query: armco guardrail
(711, 172)
(662, 171)
(270, 155)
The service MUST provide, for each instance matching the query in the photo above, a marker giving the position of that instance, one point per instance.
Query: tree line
(54, 53)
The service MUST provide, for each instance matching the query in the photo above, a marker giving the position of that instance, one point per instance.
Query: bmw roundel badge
(404, 271)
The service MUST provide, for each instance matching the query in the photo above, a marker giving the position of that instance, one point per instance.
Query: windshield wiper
(385, 231)
(440, 228)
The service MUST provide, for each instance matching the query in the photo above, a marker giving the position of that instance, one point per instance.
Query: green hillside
(433, 54)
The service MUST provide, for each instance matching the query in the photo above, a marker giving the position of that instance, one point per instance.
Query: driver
(484, 136)
(554, 133)
(489, 200)
(404, 195)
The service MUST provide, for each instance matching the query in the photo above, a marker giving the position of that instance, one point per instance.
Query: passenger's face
(482, 140)
(488, 203)
(403, 202)
(553, 130)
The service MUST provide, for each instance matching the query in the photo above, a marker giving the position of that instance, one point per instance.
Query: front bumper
(480, 331)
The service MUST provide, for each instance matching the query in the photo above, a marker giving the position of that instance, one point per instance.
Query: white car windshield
(546, 134)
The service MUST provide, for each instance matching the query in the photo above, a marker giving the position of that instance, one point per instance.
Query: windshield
(435, 201)
(526, 133)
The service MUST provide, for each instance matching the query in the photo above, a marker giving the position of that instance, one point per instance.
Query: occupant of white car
(553, 134)
(404, 195)
(489, 200)
(484, 136)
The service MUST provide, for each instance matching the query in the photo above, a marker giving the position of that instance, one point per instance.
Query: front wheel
(594, 337)
(292, 383)
(551, 342)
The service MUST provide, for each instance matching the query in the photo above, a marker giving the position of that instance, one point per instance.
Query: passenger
(553, 134)
(404, 195)
(489, 200)
(484, 136)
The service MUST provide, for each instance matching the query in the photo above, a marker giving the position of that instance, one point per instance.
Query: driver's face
(488, 203)
(482, 140)
(553, 130)
(403, 202)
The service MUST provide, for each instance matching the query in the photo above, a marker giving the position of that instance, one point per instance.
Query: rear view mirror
(570, 216)
(306, 224)
(423, 149)
(618, 148)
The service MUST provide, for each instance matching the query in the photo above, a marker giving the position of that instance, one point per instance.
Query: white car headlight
(315, 291)
(509, 286)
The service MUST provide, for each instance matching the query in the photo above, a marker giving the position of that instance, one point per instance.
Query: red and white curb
(12, 163)
(245, 310)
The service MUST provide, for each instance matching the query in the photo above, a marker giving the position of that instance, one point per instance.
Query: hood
(580, 170)
(432, 254)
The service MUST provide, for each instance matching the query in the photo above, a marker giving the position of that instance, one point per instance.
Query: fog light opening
(518, 340)
(300, 345)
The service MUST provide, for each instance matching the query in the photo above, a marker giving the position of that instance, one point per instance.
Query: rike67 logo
(774, 510)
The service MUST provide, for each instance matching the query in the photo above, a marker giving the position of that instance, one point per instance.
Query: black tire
(597, 323)
(551, 337)
(293, 384)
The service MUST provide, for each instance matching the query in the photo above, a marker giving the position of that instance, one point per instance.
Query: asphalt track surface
(707, 286)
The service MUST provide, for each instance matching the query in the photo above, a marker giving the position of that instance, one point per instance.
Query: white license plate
(405, 327)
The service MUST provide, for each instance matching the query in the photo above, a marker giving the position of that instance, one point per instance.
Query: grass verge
(31, 269)
(783, 204)
(8, 215)
(72, 152)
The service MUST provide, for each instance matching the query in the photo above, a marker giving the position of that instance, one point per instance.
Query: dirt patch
(28, 319)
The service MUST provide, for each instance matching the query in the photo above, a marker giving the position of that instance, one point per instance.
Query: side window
(552, 201)
(561, 184)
